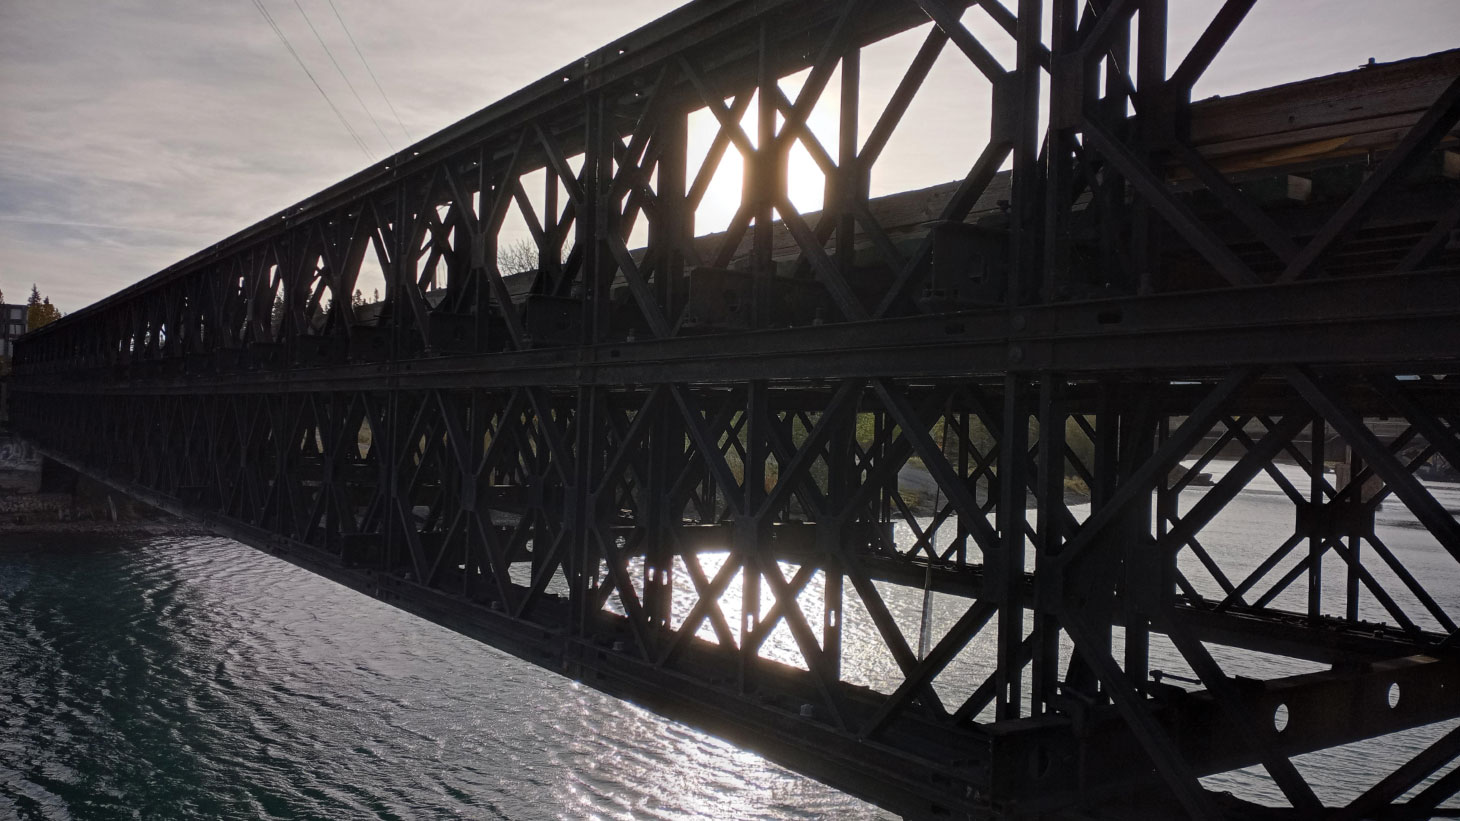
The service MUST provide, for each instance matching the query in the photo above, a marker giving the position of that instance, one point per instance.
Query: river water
(196, 678)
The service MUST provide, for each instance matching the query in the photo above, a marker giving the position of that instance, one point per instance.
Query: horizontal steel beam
(1400, 322)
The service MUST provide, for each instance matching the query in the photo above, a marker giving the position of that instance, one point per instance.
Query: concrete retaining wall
(20, 467)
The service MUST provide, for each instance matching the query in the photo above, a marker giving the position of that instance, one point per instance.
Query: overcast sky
(135, 132)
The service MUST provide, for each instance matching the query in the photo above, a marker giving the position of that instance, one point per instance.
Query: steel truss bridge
(681, 468)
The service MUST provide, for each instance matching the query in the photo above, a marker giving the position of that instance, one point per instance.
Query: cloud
(136, 132)
(139, 131)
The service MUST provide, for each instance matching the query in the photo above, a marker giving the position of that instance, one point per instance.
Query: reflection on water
(1255, 524)
(1243, 535)
(198, 678)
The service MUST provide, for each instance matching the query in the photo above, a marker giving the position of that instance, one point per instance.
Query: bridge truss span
(1106, 480)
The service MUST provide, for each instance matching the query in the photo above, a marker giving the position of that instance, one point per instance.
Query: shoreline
(168, 526)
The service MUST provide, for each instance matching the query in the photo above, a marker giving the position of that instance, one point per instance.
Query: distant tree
(276, 317)
(521, 256)
(39, 311)
(517, 257)
(358, 299)
(44, 315)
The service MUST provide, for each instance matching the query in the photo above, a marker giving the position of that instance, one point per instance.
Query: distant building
(12, 325)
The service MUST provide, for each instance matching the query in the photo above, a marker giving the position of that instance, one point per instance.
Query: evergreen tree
(39, 310)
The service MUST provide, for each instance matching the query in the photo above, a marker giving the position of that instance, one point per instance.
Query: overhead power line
(375, 79)
(350, 85)
(269, 18)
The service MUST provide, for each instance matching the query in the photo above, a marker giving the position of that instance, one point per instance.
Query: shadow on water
(90, 670)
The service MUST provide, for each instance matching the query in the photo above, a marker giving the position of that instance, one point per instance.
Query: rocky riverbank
(37, 496)
(169, 526)
(88, 508)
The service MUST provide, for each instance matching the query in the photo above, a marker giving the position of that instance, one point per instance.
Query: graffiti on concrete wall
(17, 454)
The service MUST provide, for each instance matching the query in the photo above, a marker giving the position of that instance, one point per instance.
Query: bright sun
(805, 182)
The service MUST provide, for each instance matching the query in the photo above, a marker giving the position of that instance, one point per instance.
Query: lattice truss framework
(681, 472)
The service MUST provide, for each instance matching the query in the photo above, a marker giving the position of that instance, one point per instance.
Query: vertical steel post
(1050, 475)
(1025, 275)
(1150, 88)
(750, 528)
(1005, 570)
(1319, 518)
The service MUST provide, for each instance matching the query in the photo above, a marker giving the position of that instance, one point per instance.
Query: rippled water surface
(196, 678)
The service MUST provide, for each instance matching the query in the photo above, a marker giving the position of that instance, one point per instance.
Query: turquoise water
(197, 678)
